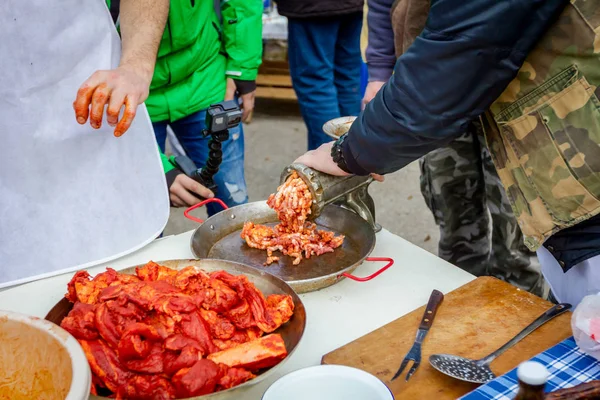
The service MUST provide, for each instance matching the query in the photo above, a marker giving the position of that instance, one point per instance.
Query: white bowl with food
(40, 360)
(328, 382)
(338, 126)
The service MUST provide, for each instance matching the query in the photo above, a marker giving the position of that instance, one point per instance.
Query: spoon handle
(541, 320)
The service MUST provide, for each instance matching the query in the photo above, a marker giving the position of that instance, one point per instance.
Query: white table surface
(335, 315)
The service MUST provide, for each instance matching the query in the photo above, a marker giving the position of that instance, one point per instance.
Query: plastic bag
(585, 323)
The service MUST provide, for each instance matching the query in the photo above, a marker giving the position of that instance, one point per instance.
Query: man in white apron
(119, 91)
(141, 25)
(530, 70)
(71, 196)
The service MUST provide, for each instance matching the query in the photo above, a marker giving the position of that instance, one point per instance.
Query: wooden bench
(274, 82)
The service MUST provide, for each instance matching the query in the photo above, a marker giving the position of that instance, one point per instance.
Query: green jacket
(234, 50)
(167, 162)
(197, 54)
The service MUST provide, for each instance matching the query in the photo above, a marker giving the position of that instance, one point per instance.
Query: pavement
(277, 136)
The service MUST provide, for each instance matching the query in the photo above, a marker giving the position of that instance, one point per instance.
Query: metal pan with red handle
(219, 238)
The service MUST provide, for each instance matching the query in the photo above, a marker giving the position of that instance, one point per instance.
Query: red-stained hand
(117, 88)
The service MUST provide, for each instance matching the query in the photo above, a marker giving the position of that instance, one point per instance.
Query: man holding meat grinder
(478, 230)
(529, 71)
(142, 23)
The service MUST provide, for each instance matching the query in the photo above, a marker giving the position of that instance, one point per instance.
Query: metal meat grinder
(349, 192)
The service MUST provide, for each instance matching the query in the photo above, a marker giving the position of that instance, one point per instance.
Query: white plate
(328, 382)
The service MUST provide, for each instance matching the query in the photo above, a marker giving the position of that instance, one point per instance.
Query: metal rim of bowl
(299, 286)
(243, 269)
(336, 122)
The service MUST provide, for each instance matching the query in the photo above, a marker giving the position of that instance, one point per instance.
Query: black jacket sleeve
(463, 60)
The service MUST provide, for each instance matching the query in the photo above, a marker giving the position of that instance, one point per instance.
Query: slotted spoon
(478, 371)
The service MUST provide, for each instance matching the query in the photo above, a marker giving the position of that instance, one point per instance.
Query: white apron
(571, 286)
(70, 196)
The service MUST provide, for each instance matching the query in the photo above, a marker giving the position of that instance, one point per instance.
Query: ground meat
(294, 236)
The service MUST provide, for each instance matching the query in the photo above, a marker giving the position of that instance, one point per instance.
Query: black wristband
(338, 155)
(171, 175)
(351, 163)
(244, 87)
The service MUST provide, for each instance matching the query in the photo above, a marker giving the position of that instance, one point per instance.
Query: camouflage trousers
(478, 230)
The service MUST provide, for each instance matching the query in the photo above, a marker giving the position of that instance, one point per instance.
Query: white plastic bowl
(328, 382)
(39, 359)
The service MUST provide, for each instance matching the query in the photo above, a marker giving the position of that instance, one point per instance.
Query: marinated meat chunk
(154, 335)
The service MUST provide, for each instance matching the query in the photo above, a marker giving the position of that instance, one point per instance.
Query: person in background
(529, 71)
(201, 61)
(458, 182)
(325, 60)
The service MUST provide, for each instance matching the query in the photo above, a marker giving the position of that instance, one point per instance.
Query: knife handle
(435, 300)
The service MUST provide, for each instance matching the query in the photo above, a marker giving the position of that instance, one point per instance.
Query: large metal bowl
(219, 238)
(291, 331)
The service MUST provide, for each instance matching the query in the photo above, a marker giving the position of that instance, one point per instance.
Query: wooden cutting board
(472, 321)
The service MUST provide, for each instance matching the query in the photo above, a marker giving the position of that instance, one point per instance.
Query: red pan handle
(202, 203)
(389, 261)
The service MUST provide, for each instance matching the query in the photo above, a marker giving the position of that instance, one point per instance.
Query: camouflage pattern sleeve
(462, 61)
(544, 130)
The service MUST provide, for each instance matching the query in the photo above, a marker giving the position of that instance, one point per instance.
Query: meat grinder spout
(349, 192)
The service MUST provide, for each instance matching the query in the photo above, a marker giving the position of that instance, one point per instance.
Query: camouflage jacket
(544, 130)
(532, 67)
(465, 57)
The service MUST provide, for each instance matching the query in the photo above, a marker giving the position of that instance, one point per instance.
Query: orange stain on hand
(127, 119)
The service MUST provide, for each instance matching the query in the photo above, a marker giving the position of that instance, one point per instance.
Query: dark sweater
(318, 8)
(380, 54)
(392, 132)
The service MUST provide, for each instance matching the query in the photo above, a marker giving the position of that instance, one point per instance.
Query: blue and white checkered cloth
(568, 367)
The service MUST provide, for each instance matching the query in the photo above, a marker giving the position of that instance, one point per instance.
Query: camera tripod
(220, 118)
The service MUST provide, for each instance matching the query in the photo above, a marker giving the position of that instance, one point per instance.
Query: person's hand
(321, 160)
(378, 178)
(184, 191)
(124, 86)
(370, 92)
(247, 105)
(231, 89)
(247, 100)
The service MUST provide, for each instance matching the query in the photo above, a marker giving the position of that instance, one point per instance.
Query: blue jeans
(325, 67)
(230, 181)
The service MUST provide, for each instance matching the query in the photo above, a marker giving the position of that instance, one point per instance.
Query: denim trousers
(325, 67)
(230, 180)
